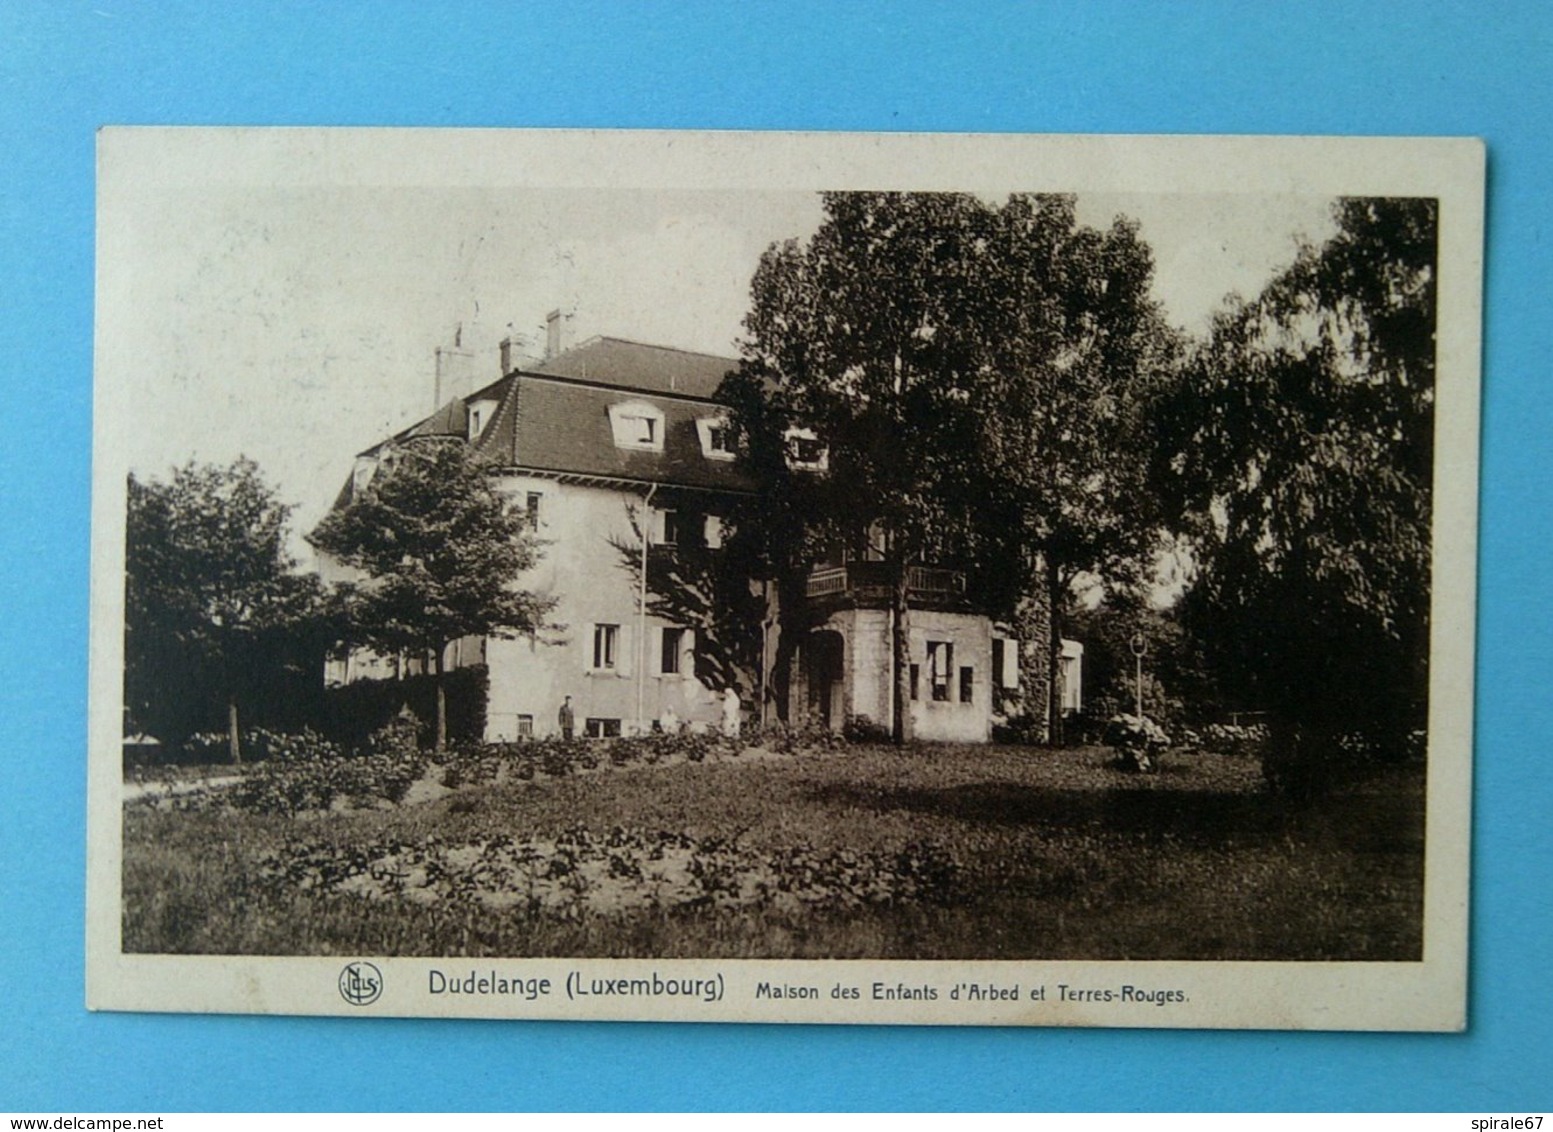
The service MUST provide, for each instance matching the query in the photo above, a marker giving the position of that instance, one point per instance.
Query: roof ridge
(594, 383)
(655, 346)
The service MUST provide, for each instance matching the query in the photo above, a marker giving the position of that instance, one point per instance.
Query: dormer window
(636, 424)
(480, 414)
(362, 473)
(716, 438)
(805, 452)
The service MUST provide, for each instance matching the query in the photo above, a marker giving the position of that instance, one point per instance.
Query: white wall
(587, 575)
(869, 670)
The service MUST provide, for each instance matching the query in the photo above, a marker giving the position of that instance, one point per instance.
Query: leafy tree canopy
(1298, 449)
(210, 589)
(976, 373)
(441, 550)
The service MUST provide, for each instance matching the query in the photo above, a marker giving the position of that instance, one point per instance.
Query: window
(641, 430)
(481, 413)
(916, 674)
(671, 527)
(1005, 662)
(805, 451)
(940, 666)
(716, 438)
(525, 727)
(673, 646)
(713, 532)
(967, 684)
(601, 728)
(637, 424)
(606, 644)
(531, 509)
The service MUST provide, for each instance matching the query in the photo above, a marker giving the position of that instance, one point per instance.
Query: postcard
(822, 578)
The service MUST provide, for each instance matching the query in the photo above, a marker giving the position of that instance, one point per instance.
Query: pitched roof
(450, 420)
(555, 425)
(637, 365)
(554, 416)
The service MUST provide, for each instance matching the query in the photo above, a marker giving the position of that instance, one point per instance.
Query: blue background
(1339, 68)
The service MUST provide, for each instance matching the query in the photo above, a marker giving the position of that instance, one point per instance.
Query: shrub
(1297, 764)
(398, 738)
(1138, 741)
(1021, 730)
(205, 747)
(661, 746)
(861, 728)
(307, 772)
(1304, 763)
(473, 763)
(1233, 739)
(786, 739)
(355, 711)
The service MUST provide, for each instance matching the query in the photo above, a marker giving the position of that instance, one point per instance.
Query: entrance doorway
(824, 655)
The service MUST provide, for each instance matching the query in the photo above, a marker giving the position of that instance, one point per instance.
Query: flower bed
(578, 873)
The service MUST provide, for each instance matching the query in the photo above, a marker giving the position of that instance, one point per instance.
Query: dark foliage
(216, 616)
(703, 588)
(975, 374)
(1299, 447)
(352, 712)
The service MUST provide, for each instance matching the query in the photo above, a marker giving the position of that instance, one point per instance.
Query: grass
(931, 852)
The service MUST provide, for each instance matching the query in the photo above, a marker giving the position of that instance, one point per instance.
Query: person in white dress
(731, 710)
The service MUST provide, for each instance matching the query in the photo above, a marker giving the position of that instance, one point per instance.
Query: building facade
(609, 441)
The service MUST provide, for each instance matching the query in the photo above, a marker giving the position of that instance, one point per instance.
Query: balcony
(870, 583)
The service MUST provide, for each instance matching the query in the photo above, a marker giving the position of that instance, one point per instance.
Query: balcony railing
(872, 581)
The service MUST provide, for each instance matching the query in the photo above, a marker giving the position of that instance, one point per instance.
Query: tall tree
(976, 372)
(1076, 353)
(858, 335)
(441, 549)
(210, 591)
(1299, 449)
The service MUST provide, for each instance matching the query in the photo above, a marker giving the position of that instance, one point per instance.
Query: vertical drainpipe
(641, 611)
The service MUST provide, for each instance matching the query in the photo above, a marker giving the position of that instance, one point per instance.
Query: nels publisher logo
(360, 983)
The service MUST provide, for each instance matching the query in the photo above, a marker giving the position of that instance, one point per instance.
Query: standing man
(567, 718)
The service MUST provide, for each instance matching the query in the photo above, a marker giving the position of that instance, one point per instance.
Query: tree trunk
(1054, 655)
(442, 703)
(234, 743)
(900, 729)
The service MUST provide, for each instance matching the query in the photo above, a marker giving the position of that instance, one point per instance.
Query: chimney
(516, 351)
(455, 372)
(558, 332)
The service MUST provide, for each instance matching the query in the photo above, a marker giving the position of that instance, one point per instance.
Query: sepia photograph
(605, 575)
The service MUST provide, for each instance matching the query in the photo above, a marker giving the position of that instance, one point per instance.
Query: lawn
(931, 852)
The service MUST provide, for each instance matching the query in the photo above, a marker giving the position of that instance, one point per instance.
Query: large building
(610, 439)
